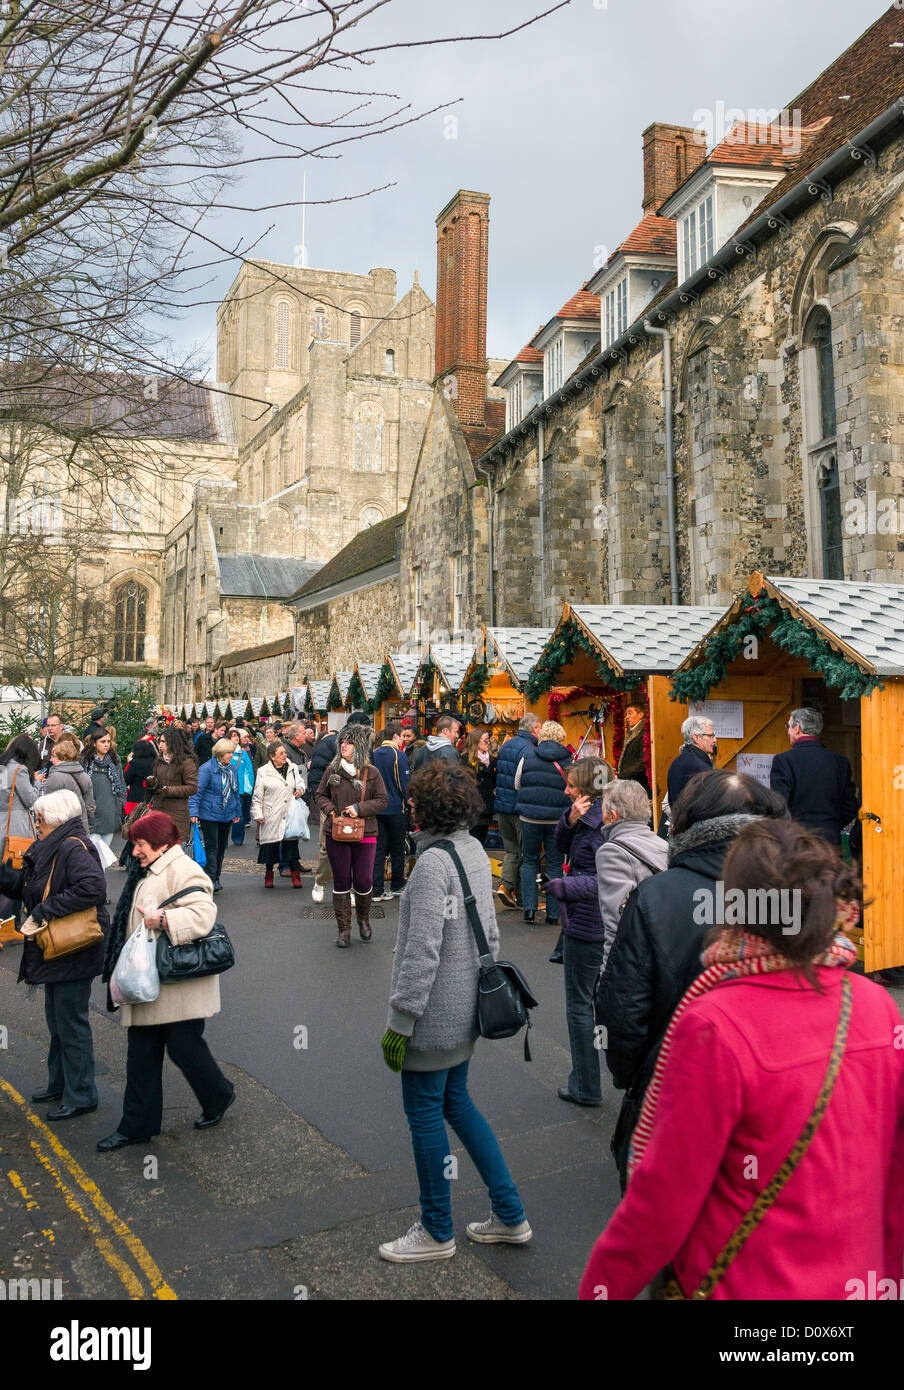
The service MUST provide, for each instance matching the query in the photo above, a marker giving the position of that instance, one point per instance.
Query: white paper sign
(726, 716)
(336, 719)
(758, 765)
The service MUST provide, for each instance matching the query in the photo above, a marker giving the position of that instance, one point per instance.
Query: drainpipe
(491, 522)
(541, 498)
(670, 475)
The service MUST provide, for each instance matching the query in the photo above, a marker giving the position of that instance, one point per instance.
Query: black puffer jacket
(78, 882)
(140, 766)
(323, 753)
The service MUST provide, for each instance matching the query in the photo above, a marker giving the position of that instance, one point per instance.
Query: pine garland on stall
(787, 632)
(569, 639)
(386, 686)
(356, 694)
(334, 699)
(475, 685)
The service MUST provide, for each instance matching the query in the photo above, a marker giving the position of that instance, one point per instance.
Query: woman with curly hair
(433, 1017)
(777, 1063)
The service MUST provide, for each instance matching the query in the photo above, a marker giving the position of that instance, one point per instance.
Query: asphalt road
(311, 1169)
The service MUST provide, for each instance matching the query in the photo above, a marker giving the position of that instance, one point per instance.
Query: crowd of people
(752, 1053)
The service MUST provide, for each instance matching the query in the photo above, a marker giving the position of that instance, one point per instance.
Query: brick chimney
(670, 154)
(462, 230)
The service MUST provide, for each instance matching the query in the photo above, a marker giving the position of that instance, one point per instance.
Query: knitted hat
(358, 716)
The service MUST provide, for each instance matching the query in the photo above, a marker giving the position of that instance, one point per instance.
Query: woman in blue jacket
(540, 784)
(216, 805)
(244, 770)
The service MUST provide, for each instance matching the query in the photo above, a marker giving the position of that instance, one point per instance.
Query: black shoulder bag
(206, 955)
(503, 995)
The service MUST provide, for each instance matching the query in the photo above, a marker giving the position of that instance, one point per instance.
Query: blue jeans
(535, 837)
(429, 1098)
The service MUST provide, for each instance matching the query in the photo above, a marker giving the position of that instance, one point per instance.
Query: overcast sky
(549, 124)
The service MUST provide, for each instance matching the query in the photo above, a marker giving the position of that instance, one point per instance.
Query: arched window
(320, 323)
(389, 361)
(354, 328)
(283, 343)
(371, 516)
(130, 621)
(822, 456)
(368, 440)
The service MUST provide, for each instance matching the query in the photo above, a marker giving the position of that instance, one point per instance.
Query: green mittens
(394, 1045)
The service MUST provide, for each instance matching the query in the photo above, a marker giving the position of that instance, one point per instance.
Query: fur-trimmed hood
(362, 738)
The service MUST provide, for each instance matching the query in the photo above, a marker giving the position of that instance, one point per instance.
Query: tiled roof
(405, 667)
(115, 401)
(652, 236)
(868, 618)
(478, 438)
(369, 674)
(531, 354)
(648, 639)
(859, 86)
(263, 576)
(453, 661)
(370, 548)
(342, 679)
(582, 305)
(760, 146)
(320, 693)
(520, 647)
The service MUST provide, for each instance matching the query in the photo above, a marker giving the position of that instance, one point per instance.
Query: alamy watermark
(753, 907)
(758, 126)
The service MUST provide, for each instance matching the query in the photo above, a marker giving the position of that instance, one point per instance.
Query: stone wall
(359, 626)
(253, 678)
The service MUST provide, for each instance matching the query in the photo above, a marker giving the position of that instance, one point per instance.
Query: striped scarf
(734, 955)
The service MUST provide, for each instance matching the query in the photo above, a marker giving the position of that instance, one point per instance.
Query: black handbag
(206, 955)
(503, 995)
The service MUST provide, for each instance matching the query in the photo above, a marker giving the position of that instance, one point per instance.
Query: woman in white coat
(174, 1022)
(278, 783)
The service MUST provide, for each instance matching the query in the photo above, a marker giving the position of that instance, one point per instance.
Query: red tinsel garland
(602, 695)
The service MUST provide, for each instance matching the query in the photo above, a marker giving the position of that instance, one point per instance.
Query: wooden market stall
(602, 658)
(363, 685)
(439, 679)
(492, 692)
(836, 646)
(317, 695)
(400, 672)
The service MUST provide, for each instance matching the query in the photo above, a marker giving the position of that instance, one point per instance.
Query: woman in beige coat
(174, 1022)
(276, 785)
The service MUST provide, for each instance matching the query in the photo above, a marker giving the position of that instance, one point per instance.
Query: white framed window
(697, 237)
(514, 405)
(554, 365)
(617, 310)
(126, 510)
(457, 591)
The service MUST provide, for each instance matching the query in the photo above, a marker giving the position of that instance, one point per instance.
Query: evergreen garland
(356, 695)
(309, 703)
(569, 639)
(334, 699)
(787, 632)
(475, 685)
(386, 687)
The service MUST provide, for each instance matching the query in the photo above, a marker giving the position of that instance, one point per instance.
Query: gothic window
(37, 515)
(830, 517)
(368, 440)
(283, 343)
(389, 361)
(818, 378)
(130, 621)
(821, 341)
(320, 323)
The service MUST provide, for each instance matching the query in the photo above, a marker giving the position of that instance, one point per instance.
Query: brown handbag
(14, 846)
(63, 936)
(349, 830)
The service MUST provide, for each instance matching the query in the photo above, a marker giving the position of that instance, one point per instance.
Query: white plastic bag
(135, 979)
(107, 857)
(297, 821)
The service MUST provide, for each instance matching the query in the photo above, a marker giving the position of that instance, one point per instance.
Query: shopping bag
(107, 857)
(297, 821)
(135, 975)
(197, 847)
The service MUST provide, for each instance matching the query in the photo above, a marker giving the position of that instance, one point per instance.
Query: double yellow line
(102, 1222)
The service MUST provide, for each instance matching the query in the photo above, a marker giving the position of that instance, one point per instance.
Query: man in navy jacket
(816, 783)
(510, 755)
(392, 763)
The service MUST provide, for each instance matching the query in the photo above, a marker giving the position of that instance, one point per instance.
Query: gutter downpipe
(491, 524)
(541, 499)
(670, 475)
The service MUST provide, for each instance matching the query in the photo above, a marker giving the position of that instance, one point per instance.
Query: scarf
(733, 956)
(484, 758)
(229, 787)
(107, 765)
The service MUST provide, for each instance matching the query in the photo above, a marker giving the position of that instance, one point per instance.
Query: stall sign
(726, 716)
(758, 765)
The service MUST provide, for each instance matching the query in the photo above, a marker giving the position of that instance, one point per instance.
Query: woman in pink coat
(745, 1082)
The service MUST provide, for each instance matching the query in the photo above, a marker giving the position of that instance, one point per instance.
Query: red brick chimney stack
(462, 231)
(670, 155)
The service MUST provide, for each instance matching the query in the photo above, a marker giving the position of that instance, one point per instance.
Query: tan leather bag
(349, 830)
(14, 846)
(63, 936)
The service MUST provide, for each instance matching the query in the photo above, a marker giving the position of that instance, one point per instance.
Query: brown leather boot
(362, 912)
(268, 879)
(343, 910)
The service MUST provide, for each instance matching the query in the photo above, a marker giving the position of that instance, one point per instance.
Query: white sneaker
(495, 1232)
(317, 893)
(417, 1244)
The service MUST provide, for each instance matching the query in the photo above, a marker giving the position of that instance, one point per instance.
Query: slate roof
(119, 403)
(649, 639)
(453, 661)
(520, 647)
(88, 687)
(342, 679)
(369, 675)
(278, 647)
(405, 667)
(263, 576)
(320, 693)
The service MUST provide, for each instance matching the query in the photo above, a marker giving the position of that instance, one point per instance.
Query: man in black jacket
(659, 940)
(322, 754)
(696, 756)
(816, 783)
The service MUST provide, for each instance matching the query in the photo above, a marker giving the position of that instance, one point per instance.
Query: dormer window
(696, 237)
(616, 310)
(554, 365)
(514, 405)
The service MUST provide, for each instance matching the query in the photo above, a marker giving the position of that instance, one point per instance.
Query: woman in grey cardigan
(67, 775)
(433, 1018)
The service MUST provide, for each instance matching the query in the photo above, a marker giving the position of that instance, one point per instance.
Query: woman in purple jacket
(579, 836)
